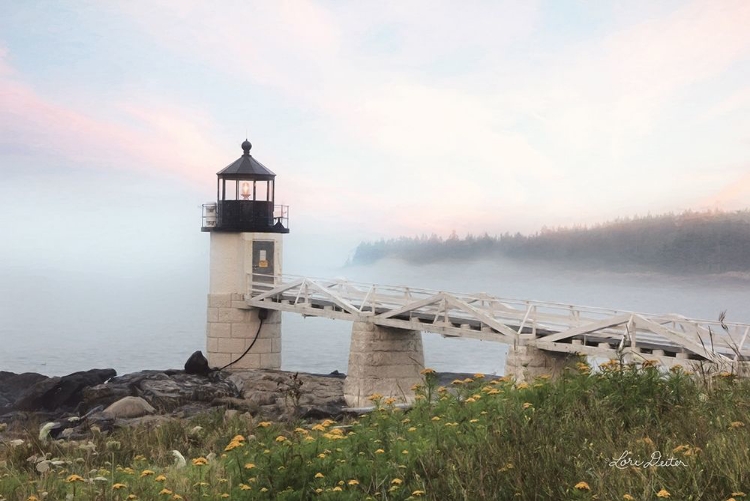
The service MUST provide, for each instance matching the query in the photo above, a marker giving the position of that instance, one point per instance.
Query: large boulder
(61, 393)
(129, 407)
(12, 386)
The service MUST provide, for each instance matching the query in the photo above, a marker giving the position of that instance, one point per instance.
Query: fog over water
(56, 322)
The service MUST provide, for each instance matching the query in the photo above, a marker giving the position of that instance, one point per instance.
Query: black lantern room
(245, 199)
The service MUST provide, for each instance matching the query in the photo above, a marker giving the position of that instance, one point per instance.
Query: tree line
(689, 242)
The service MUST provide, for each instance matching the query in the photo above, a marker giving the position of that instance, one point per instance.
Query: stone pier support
(382, 360)
(232, 326)
(525, 363)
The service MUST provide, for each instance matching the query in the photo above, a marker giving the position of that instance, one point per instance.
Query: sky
(380, 119)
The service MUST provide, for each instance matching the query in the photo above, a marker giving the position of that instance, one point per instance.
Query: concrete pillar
(231, 325)
(524, 363)
(382, 360)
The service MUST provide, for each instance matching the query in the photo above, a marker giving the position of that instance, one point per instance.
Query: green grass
(475, 440)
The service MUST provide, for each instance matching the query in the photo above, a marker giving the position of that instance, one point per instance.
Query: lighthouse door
(263, 264)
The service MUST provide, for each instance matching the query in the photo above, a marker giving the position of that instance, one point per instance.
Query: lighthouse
(246, 229)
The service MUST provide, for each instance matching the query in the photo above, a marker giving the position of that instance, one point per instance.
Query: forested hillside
(691, 242)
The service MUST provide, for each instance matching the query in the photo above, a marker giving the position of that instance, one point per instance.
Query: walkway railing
(546, 325)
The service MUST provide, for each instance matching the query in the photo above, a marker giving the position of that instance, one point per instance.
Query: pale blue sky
(379, 118)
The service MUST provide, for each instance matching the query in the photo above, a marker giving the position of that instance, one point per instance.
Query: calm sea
(56, 322)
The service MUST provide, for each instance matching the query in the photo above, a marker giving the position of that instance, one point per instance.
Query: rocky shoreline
(100, 400)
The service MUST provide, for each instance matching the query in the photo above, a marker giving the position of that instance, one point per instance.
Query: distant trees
(700, 242)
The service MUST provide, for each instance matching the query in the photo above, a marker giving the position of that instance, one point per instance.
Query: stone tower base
(232, 326)
(382, 360)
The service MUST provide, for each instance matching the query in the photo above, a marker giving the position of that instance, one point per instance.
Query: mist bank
(690, 242)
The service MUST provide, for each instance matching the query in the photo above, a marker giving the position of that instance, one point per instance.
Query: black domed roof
(246, 167)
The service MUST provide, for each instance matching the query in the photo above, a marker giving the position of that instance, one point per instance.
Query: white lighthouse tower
(246, 249)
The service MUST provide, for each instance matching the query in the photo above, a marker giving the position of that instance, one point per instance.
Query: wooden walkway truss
(671, 339)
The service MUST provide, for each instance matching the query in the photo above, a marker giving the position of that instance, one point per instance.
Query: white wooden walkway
(555, 327)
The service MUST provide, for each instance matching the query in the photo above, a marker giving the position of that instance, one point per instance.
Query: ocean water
(56, 322)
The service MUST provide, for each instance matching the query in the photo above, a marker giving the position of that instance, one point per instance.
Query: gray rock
(61, 393)
(129, 407)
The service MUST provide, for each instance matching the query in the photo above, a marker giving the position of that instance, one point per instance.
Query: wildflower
(676, 368)
(473, 420)
(404, 451)
(301, 430)
(318, 490)
(739, 494)
(177, 497)
(225, 495)
(628, 497)
(74, 478)
(522, 386)
(416, 387)
(232, 445)
(263, 489)
(337, 489)
(436, 418)
(427, 371)
(471, 400)
(160, 478)
(319, 427)
(526, 405)
(353, 482)
(582, 486)
(494, 391)
(413, 429)
(128, 471)
(249, 466)
(680, 448)
(737, 424)
(468, 380)
(118, 486)
(663, 494)
(725, 374)
(146, 473)
(319, 475)
(375, 397)
(418, 493)
(646, 365)
(245, 487)
(201, 461)
(457, 381)
(328, 422)
(131, 496)
(389, 401)
(139, 457)
(280, 438)
(32, 498)
(265, 424)
(379, 451)
(397, 481)
(648, 441)
(165, 492)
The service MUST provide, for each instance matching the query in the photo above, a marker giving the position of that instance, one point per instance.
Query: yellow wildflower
(225, 495)
(389, 401)
(319, 427)
(457, 381)
(131, 496)
(404, 451)
(280, 438)
(337, 489)
(646, 365)
(265, 424)
(165, 492)
(522, 386)
(418, 493)
(375, 397)
(473, 420)
(397, 481)
(74, 478)
(146, 473)
(233, 445)
(628, 497)
(436, 418)
(471, 400)
(177, 497)
(128, 471)
(582, 486)
(139, 457)
(318, 490)
(319, 475)
(249, 466)
(412, 429)
(737, 424)
(245, 487)
(353, 482)
(427, 371)
(379, 451)
(526, 405)
(201, 461)
(32, 498)
(739, 494)
(160, 478)
(663, 494)
(263, 489)
(118, 486)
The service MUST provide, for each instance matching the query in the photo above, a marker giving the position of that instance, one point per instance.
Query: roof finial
(246, 146)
